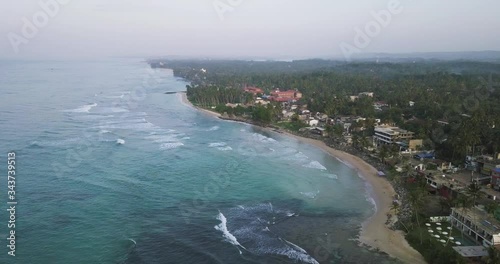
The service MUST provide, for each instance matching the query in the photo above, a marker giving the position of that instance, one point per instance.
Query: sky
(244, 28)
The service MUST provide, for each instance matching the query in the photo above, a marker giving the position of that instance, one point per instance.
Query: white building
(389, 135)
(313, 122)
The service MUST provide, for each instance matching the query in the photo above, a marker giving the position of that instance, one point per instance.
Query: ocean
(110, 169)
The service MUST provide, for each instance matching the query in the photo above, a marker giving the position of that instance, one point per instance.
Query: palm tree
(383, 154)
(417, 201)
(492, 207)
(474, 191)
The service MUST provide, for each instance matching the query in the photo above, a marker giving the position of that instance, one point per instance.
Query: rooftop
(471, 252)
(448, 182)
(392, 130)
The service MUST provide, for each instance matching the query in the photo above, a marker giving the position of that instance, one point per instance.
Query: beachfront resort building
(285, 96)
(477, 224)
(388, 135)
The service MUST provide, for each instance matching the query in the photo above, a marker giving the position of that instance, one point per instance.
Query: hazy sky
(254, 28)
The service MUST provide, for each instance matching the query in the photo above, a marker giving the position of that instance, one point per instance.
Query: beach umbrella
(452, 238)
(442, 241)
(437, 236)
(427, 224)
(458, 243)
(430, 231)
(449, 228)
(438, 224)
(445, 233)
(439, 228)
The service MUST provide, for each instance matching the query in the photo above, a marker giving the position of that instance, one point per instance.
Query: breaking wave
(250, 226)
(315, 165)
(173, 145)
(82, 109)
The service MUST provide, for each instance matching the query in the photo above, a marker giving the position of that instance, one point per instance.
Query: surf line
(225, 232)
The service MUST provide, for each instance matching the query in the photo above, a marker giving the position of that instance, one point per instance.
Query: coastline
(375, 234)
(185, 101)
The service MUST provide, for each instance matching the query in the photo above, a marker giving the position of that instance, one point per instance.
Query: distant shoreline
(374, 234)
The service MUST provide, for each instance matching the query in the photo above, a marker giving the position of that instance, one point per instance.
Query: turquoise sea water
(112, 170)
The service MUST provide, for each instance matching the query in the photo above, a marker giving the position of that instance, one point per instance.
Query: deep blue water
(110, 169)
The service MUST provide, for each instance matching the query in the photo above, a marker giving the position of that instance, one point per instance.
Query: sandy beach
(186, 102)
(375, 234)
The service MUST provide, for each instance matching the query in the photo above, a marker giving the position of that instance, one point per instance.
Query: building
(486, 164)
(422, 156)
(253, 90)
(495, 179)
(291, 94)
(356, 97)
(368, 94)
(477, 224)
(261, 101)
(285, 96)
(444, 186)
(319, 131)
(388, 135)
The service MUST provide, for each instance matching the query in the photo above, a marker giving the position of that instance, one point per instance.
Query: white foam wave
(251, 225)
(214, 128)
(369, 197)
(104, 131)
(311, 195)
(226, 148)
(129, 125)
(173, 145)
(263, 138)
(120, 141)
(301, 156)
(82, 109)
(95, 117)
(299, 253)
(333, 176)
(225, 232)
(162, 138)
(315, 165)
(115, 97)
(112, 110)
(217, 144)
(56, 143)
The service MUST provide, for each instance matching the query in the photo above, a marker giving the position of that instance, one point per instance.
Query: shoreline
(185, 101)
(374, 234)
